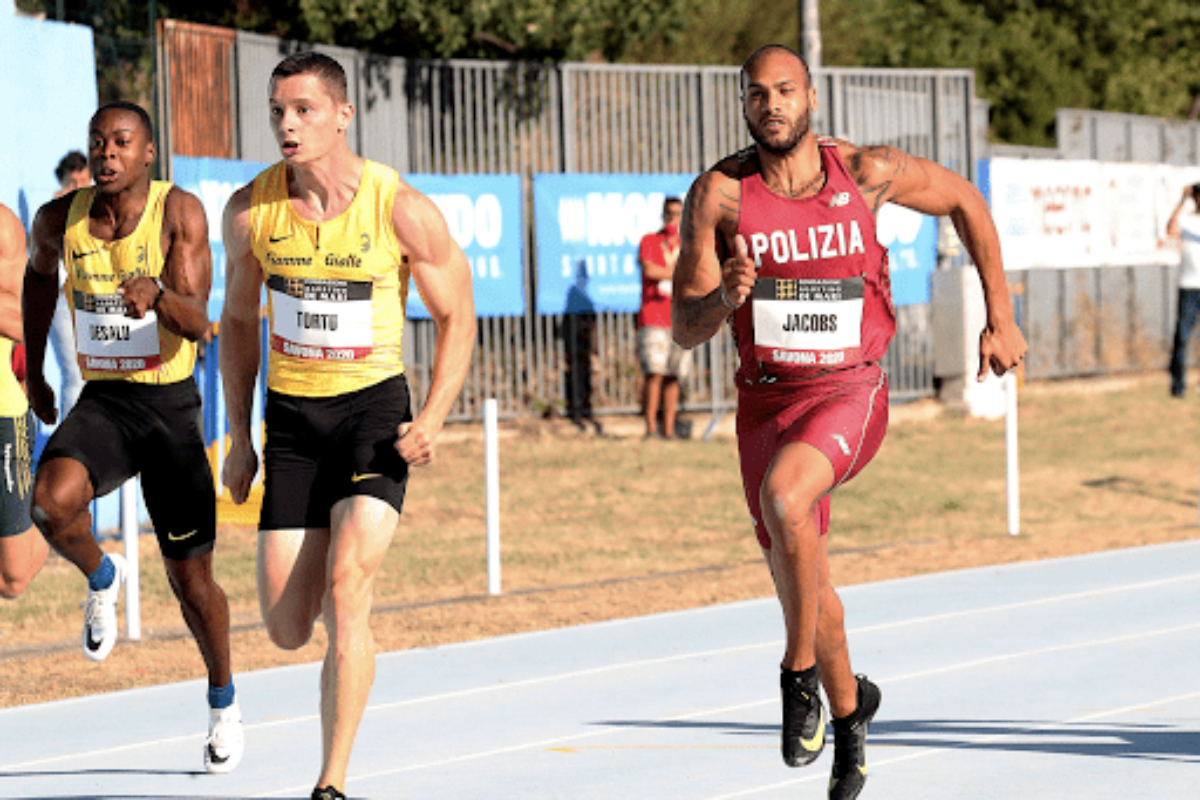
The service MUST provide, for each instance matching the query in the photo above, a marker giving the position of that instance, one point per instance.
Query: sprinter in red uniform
(780, 238)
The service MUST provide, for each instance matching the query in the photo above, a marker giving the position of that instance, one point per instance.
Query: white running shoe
(100, 614)
(226, 742)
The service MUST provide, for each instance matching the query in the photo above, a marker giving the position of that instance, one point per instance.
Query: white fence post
(1013, 474)
(491, 461)
(129, 533)
(217, 396)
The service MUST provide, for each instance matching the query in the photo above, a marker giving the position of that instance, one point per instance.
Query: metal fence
(1096, 321)
(1109, 136)
(454, 117)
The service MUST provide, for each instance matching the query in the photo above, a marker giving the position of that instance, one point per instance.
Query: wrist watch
(161, 290)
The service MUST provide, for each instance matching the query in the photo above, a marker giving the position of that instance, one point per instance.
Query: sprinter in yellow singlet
(333, 238)
(22, 549)
(138, 273)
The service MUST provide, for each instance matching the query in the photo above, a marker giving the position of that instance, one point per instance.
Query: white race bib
(808, 322)
(321, 319)
(109, 341)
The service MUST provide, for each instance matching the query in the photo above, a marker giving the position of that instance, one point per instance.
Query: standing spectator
(1186, 228)
(72, 173)
(664, 363)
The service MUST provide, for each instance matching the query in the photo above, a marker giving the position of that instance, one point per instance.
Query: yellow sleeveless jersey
(336, 290)
(12, 396)
(111, 345)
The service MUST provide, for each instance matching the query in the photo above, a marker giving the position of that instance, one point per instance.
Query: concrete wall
(49, 92)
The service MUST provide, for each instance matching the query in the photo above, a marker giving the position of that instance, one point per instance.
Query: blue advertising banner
(483, 213)
(485, 216)
(214, 180)
(588, 230)
(911, 240)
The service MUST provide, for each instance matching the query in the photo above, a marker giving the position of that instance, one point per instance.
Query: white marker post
(1010, 447)
(491, 464)
(129, 533)
(219, 399)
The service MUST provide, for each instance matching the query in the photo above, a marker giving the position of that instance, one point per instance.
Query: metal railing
(454, 117)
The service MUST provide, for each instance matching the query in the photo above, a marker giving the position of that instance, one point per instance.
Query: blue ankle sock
(103, 577)
(220, 696)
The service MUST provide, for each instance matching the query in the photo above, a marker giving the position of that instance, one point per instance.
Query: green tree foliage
(1032, 57)
(557, 30)
(726, 31)
(537, 30)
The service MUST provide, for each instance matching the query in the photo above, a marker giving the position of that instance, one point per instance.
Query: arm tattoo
(696, 319)
(703, 314)
(731, 210)
(729, 204)
(687, 228)
(875, 169)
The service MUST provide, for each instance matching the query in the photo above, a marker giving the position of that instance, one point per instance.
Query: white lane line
(700, 654)
(1041, 651)
(972, 743)
(1084, 595)
(724, 651)
(543, 744)
(558, 741)
(455, 695)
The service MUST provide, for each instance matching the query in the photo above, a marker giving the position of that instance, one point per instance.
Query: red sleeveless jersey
(822, 301)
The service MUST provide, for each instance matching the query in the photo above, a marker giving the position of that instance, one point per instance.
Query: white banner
(1085, 213)
(1045, 211)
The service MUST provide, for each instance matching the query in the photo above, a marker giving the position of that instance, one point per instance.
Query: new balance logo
(840, 199)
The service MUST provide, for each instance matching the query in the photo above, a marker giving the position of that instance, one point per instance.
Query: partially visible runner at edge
(22, 549)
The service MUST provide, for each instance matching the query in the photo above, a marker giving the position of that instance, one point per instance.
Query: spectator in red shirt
(664, 363)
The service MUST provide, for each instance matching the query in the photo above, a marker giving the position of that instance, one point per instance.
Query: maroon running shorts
(844, 415)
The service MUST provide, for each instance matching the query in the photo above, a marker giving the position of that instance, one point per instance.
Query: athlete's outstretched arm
(38, 300)
(239, 343)
(186, 276)
(706, 290)
(12, 269)
(443, 277)
(885, 174)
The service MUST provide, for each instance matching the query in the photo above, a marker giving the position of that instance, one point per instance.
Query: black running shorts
(16, 491)
(119, 429)
(320, 450)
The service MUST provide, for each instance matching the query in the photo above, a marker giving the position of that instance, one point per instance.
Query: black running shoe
(327, 793)
(850, 744)
(803, 722)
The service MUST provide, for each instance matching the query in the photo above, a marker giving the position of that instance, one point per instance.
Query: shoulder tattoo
(875, 169)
